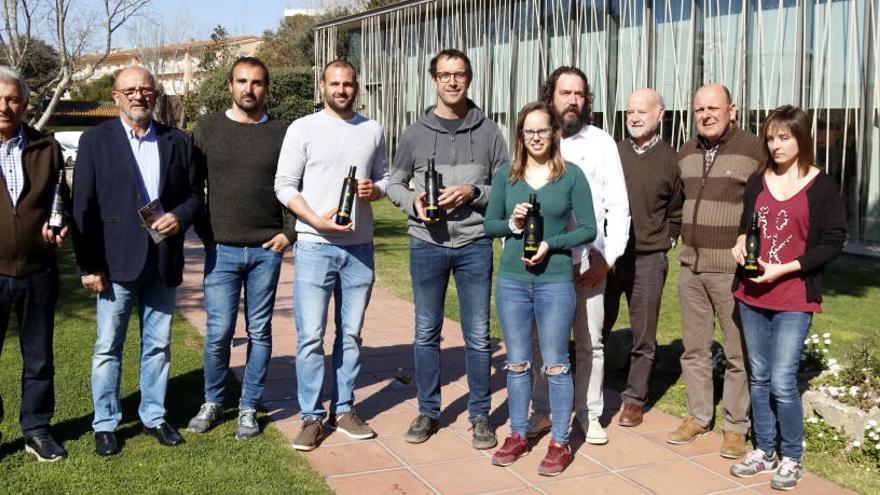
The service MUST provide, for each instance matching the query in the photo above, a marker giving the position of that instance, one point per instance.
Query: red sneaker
(514, 447)
(558, 457)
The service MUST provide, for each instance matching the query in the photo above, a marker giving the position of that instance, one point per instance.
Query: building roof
(347, 20)
(198, 45)
(73, 108)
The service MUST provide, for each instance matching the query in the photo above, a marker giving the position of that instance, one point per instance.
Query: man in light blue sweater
(331, 259)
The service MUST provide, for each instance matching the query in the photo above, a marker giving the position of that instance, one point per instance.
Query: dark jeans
(641, 278)
(32, 297)
(430, 266)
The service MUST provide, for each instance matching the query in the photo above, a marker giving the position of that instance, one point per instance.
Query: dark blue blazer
(109, 235)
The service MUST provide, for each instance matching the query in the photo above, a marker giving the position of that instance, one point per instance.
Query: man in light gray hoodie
(468, 149)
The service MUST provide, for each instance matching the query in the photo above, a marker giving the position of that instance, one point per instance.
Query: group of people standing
(253, 186)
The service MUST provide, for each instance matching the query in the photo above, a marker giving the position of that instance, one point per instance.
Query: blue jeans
(155, 311)
(347, 273)
(227, 269)
(430, 266)
(775, 340)
(550, 307)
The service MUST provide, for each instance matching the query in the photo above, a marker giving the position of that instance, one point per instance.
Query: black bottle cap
(351, 171)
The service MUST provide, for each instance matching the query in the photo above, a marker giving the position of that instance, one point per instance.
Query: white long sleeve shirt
(595, 151)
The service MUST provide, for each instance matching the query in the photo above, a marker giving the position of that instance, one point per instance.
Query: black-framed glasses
(130, 93)
(460, 76)
(541, 133)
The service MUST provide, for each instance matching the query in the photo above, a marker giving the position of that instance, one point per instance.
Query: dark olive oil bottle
(753, 248)
(533, 232)
(346, 198)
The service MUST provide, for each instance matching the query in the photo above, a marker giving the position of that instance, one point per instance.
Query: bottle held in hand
(432, 191)
(56, 217)
(533, 231)
(753, 248)
(346, 198)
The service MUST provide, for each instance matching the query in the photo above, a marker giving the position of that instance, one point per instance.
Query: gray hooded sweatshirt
(470, 155)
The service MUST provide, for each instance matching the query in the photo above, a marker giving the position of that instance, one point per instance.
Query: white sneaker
(594, 433)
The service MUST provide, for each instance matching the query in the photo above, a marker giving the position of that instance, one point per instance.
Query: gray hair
(8, 74)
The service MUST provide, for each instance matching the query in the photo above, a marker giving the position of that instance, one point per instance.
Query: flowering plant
(868, 450)
(814, 358)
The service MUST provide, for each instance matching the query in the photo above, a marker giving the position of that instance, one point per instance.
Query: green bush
(291, 94)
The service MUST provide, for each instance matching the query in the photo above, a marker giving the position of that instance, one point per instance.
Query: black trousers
(641, 278)
(33, 298)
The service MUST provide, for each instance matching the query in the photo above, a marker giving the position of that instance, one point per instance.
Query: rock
(618, 347)
(847, 418)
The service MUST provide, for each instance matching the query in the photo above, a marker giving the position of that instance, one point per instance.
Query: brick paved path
(635, 461)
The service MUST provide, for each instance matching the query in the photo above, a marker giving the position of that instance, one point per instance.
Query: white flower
(872, 423)
(826, 335)
(827, 341)
(821, 435)
(813, 420)
(807, 341)
(835, 437)
(832, 362)
(824, 350)
(857, 444)
(814, 336)
(877, 446)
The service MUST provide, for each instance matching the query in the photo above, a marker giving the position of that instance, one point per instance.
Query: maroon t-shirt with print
(784, 226)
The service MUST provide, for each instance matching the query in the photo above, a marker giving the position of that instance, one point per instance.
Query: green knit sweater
(559, 199)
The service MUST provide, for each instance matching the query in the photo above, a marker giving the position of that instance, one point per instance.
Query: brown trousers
(704, 297)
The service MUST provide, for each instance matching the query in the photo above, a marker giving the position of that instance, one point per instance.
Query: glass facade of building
(819, 54)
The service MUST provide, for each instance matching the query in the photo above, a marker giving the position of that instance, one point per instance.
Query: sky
(238, 17)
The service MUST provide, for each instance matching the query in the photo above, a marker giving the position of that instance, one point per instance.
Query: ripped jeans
(551, 307)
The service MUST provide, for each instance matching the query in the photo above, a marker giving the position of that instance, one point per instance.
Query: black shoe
(165, 434)
(421, 429)
(106, 444)
(43, 446)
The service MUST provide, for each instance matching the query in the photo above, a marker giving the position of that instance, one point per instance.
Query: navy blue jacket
(109, 235)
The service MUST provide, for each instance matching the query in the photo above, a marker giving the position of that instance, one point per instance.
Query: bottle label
(56, 219)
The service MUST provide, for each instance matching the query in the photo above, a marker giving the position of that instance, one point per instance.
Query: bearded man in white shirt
(567, 93)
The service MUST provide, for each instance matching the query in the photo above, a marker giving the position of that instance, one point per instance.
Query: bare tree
(72, 34)
(16, 35)
(161, 49)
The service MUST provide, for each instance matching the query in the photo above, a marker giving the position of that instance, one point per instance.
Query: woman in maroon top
(802, 226)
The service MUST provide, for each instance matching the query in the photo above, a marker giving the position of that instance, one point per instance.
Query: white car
(69, 141)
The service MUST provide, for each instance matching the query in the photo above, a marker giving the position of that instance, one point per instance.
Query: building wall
(819, 54)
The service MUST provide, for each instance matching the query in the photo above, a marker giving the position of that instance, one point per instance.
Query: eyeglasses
(541, 133)
(130, 93)
(445, 76)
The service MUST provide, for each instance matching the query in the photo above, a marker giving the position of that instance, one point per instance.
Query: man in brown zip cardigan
(714, 169)
(28, 272)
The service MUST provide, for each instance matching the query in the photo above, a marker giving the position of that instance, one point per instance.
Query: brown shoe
(734, 445)
(687, 432)
(632, 415)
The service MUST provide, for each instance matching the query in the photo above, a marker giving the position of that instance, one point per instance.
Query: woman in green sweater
(538, 290)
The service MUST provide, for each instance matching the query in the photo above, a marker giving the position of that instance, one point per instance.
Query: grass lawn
(852, 296)
(210, 463)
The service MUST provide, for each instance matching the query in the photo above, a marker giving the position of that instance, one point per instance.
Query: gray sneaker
(787, 475)
(755, 462)
(538, 425)
(310, 433)
(209, 415)
(352, 425)
(421, 429)
(247, 424)
(484, 437)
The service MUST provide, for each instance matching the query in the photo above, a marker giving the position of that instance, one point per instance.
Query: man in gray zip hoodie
(468, 149)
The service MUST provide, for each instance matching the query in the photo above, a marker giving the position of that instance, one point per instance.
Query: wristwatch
(476, 192)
